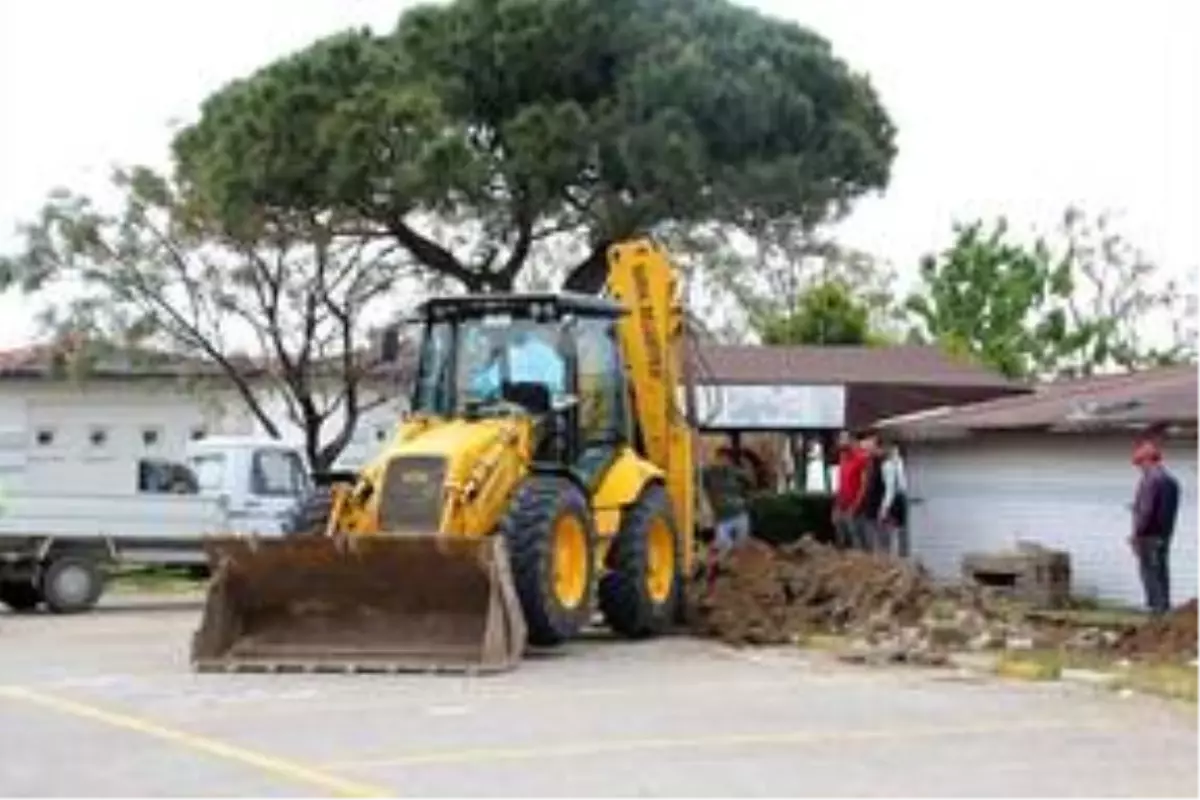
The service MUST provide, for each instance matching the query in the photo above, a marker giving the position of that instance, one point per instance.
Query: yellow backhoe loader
(546, 472)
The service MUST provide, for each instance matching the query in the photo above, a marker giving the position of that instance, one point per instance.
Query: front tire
(640, 593)
(20, 596)
(72, 583)
(551, 541)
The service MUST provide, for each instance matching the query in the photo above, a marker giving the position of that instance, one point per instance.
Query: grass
(1171, 680)
(155, 580)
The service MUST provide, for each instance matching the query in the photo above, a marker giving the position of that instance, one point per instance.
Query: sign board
(784, 407)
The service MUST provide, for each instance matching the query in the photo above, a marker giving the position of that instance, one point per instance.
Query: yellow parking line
(537, 752)
(277, 766)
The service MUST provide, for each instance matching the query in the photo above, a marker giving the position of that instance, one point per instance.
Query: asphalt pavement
(105, 704)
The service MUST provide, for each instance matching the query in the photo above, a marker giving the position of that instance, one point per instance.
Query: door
(277, 481)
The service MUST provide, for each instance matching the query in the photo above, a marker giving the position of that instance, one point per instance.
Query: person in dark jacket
(1155, 508)
(872, 535)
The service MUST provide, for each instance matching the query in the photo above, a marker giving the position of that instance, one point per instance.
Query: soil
(1169, 637)
(761, 595)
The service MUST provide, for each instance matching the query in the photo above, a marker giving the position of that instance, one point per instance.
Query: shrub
(782, 518)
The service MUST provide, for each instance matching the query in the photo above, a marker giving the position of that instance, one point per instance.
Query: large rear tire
(551, 541)
(310, 516)
(639, 594)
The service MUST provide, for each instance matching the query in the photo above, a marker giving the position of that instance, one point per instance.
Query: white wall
(126, 411)
(1067, 492)
(373, 427)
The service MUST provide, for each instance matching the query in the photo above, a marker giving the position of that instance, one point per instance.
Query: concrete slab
(111, 695)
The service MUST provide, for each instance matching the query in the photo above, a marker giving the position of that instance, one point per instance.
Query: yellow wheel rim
(570, 560)
(660, 557)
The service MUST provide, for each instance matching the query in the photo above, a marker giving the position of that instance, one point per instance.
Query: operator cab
(554, 357)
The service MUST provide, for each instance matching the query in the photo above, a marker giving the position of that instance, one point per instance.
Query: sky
(1009, 107)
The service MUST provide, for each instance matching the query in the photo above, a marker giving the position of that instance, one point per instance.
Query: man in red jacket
(852, 464)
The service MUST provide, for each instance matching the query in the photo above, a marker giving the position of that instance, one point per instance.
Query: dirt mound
(762, 595)
(1171, 636)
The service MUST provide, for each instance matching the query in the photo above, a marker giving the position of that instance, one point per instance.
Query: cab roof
(550, 304)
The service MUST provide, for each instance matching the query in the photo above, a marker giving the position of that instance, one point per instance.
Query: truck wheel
(20, 595)
(551, 542)
(310, 516)
(640, 592)
(72, 583)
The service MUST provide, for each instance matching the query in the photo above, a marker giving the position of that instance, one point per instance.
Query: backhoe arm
(652, 338)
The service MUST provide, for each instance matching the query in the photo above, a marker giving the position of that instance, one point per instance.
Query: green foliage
(792, 285)
(825, 314)
(152, 281)
(1028, 311)
(781, 518)
(984, 297)
(510, 121)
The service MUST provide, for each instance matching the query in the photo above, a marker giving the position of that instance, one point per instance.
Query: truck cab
(257, 480)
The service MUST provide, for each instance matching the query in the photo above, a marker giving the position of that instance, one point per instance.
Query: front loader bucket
(372, 603)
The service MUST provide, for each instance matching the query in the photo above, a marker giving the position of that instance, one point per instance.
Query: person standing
(728, 487)
(893, 512)
(871, 535)
(852, 461)
(1155, 508)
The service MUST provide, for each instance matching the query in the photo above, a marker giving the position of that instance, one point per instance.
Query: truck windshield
(471, 360)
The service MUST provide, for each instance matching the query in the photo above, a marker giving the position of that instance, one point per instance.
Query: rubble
(1169, 637)
(890, 609)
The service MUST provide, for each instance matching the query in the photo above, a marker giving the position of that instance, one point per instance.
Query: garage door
(1069, 493)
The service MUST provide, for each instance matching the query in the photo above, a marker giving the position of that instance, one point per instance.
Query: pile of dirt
(889, 607)
(1169, 637)
(761, 595)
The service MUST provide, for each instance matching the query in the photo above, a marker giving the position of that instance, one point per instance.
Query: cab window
(278, 473)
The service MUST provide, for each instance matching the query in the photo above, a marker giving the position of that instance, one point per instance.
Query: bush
(782, 518)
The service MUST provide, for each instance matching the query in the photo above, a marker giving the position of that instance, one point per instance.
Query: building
(92, 433)
(1053, 467)
(759, 399)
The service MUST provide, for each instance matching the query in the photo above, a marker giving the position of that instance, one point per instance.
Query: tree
(1043, 309)
(1121, 295)
(508, 122)
(825, 314)
(151, 275)
(997, 300)
(787, 277)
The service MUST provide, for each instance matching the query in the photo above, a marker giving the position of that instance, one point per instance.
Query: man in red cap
(1155, 507)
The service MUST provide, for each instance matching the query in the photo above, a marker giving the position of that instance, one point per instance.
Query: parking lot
(105, 704)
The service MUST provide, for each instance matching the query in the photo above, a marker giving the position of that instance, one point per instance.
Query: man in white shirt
(893, 511)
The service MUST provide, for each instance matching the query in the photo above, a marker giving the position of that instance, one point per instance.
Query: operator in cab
(531, 359)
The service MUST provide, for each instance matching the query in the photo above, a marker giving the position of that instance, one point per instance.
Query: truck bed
(155, 517)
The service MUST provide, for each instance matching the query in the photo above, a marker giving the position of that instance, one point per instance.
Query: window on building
(278, 473)
(151, 436)
(381, 434)
(98, 436)
(44, 437)
(198, 433)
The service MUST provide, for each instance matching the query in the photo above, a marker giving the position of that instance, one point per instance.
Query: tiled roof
(908, 365)
(1158, 396)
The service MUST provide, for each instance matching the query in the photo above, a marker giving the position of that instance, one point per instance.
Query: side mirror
(387, 346)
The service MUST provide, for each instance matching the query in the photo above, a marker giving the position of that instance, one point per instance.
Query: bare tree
(283, 316)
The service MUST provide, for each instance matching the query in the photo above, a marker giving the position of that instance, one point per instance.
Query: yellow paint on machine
(292, 771)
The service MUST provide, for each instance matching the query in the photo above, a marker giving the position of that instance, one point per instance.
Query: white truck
(56, 543)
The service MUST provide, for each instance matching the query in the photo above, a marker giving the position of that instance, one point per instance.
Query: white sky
(1009, 106)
